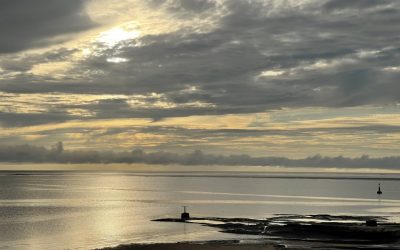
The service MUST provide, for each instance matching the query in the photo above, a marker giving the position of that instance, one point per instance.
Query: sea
(92, 209)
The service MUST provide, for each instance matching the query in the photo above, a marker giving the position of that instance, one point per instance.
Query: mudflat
(196, 246)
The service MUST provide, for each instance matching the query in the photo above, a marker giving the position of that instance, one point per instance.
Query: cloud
(312, 50)
(27, 119)
(291, 133)
(173, 60)
(57, 154)
(27, 24)
(185, 7)
(24, 63)
(354, 4)
(196, 5)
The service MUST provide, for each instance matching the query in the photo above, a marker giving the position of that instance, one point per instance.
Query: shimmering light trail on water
(58, 210)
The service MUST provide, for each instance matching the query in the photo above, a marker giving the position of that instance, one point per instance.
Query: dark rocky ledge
(316, 231)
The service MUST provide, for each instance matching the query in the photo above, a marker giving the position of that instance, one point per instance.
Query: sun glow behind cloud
(216, 75)
(117, 35)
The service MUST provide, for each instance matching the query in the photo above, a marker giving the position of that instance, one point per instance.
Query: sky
(290, 78)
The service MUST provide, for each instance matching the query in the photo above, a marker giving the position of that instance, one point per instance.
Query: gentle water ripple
(58, 210)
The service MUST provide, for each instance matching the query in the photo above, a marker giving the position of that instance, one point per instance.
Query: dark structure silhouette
(379, 189)
(185, 215)
(371, 223)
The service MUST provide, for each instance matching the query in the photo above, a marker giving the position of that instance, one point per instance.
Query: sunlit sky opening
(227, 77)
(117, 35)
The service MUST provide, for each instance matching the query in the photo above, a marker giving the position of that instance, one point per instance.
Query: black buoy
(379, 189)
(185, 215)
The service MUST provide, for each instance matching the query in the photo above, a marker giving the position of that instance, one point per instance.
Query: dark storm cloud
(25, 24)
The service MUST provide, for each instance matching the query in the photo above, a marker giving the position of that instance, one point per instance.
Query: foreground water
(82, 210)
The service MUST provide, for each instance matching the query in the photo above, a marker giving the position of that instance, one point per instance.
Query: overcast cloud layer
(288, 78)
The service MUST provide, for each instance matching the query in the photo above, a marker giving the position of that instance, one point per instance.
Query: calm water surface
(81, 210)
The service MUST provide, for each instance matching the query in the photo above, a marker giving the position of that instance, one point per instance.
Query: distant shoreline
(218, 174)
